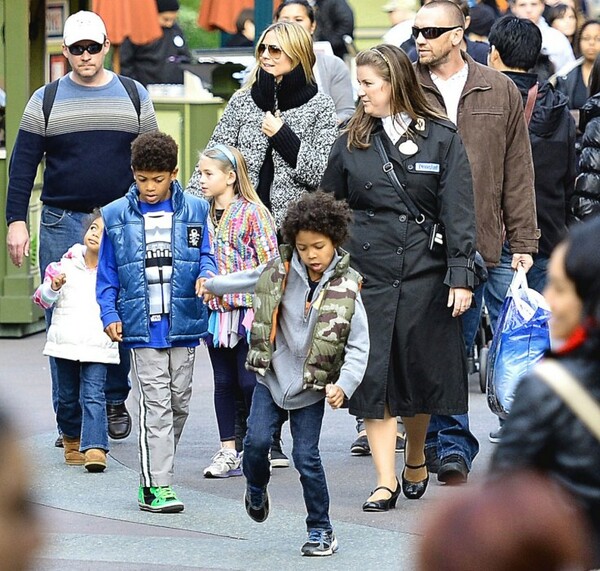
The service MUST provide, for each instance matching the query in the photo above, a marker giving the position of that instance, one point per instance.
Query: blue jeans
(230, 375)
(305, 426)
(59, 230)
(81, 411)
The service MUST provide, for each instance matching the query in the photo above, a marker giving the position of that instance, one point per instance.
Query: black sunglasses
(78, 49)
(274, 51)
(431, 33)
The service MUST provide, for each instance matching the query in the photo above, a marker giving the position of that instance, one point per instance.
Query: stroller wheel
(483, 357)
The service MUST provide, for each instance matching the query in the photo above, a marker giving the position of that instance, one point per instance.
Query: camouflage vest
(335, 304)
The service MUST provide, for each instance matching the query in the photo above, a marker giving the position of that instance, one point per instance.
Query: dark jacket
(335, 20)
(552, 136)
(586, 198)
(405, 287)
(542, 433)
(493, 129)
(159, 61)
(571, 84)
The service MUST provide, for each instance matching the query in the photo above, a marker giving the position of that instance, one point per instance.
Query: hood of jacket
(589, 111)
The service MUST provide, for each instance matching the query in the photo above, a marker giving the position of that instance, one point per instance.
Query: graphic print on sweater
(159, 261)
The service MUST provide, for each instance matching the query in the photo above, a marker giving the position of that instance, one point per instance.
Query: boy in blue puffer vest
(154, 249)
(309, 343)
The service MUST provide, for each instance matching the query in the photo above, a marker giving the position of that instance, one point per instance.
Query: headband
(228, 154)
(382, 56)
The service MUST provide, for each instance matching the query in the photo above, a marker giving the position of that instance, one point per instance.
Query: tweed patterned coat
(315, 124)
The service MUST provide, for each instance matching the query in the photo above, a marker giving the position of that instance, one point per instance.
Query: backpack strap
(133, 93)
(569, 389)
(48, 101)
(128, 83)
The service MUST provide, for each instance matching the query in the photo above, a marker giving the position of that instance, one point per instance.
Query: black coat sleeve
(457, 213)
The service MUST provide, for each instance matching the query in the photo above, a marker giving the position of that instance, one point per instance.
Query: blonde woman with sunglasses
(283, 126)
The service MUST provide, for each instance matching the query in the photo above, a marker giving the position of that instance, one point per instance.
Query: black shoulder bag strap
(388, 168)
(128, 83)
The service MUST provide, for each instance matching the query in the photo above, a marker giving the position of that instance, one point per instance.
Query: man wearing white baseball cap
(83, 125)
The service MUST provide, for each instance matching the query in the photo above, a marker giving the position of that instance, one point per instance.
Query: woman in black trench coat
(417, 366)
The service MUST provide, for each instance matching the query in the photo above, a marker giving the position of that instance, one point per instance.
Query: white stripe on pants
(164, 379)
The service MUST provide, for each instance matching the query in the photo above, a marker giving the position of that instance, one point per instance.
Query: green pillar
(263, 15)
(18, 315)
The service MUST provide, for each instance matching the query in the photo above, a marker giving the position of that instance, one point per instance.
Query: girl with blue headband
(243, 236)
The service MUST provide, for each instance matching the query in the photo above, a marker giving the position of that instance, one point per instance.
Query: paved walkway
(91, 521)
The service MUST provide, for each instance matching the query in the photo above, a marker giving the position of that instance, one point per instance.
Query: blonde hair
(295, 42)
(406, 95)
(242, 186)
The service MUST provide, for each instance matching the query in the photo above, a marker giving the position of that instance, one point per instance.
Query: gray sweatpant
(164, 378)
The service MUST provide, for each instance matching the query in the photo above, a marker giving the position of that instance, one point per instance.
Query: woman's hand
(271, 124)
(461, 298)
(335, 396)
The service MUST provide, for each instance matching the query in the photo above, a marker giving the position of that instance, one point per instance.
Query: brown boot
(72, 455)
(95, 460)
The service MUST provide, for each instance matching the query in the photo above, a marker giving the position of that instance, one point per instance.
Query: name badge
(427, 167)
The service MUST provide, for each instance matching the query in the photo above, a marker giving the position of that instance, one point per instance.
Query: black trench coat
(417, 362)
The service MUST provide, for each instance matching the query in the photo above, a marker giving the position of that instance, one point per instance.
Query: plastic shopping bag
(520, 339)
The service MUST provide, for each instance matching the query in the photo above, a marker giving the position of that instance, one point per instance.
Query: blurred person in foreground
(19, 528)
(521, 523)
(542, 432)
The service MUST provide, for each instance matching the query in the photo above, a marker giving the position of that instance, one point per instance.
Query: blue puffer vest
(124, 225)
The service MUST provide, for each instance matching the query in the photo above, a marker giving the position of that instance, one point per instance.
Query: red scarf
(577, 338)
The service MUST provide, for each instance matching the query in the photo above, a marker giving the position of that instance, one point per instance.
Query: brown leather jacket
(492, 126)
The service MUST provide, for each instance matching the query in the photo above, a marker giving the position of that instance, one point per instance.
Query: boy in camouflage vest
(309, 342)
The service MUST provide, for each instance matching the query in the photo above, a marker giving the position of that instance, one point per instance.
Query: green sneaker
(159, 500)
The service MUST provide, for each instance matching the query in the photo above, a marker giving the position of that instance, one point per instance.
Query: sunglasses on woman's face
(78, 49)
(431, 32)
(274, 51)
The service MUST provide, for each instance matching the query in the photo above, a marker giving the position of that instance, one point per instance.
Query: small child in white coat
(82, 350)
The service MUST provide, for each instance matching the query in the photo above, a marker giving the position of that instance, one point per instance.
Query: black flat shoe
(386, 504)
(414, 490)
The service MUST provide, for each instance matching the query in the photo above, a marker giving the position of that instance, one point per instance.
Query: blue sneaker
(257, 503)
(320, 542)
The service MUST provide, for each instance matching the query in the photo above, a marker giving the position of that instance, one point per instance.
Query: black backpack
(51, 88)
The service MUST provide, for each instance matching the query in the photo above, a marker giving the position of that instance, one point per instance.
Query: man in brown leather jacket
(488, 110)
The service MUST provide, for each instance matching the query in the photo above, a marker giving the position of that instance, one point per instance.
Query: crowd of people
(330, 251)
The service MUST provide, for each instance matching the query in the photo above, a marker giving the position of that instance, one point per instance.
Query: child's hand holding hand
(335, 396)
(115, 331)
(58, 282)
(202, 291)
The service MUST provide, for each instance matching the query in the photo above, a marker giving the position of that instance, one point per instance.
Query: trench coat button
(396, 283)
(399, 250)
(370, 212)
(366, 245)
(368, 185)
(410, 167)
(402, 217)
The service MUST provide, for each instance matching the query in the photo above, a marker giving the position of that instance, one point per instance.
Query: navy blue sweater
(86, 147)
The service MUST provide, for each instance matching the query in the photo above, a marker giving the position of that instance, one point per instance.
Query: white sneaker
(225, 463)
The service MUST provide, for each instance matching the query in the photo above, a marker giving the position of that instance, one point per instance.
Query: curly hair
(154, 152)
(317, 212)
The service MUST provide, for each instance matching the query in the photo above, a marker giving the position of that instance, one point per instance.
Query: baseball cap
(84, 26)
